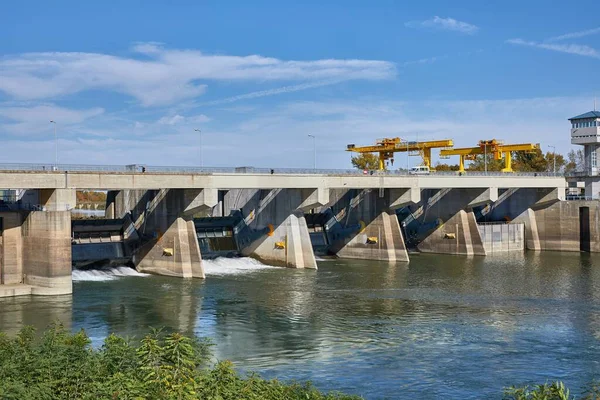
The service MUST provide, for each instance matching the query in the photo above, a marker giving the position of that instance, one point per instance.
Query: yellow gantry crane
(492, 146)
(388, 146)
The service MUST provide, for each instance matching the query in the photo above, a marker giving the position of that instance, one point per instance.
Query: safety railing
(579, 174)
(140, 169)
(18, 205)
(581, 198)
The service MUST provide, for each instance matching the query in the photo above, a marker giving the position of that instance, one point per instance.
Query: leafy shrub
(61, 365)
(553, 391)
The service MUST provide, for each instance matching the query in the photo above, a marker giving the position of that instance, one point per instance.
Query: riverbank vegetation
(548, 391)
(62, 365)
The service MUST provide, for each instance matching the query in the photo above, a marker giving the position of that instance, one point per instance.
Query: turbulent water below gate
(441, 326)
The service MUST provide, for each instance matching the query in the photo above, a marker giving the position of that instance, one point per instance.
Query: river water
(439, 327)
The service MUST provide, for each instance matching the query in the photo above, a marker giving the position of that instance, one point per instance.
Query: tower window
(593, 158)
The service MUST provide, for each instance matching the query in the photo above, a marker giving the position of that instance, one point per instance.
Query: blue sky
(128, 82)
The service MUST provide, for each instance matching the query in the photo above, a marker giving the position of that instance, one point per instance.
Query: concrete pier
(280, 213)
(36, 246)
(444, 221)
(525, 206)
(11, 246)
(173, 248)
(377, 235)
(47, 252)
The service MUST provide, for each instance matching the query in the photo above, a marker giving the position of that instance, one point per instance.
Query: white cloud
(33, 120)
(173, 120)
(446, 24)
(180, 119)
(574, 35)
(276, 137)
(580, 50)
(44, 113)
(163, 76)
(422, 61)
(271, 92)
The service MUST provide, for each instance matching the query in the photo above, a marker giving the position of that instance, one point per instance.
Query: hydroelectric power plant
(165, 221)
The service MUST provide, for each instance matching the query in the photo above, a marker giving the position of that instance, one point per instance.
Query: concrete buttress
(368, 224)
(444, 221)
(280, 213)
(543, 214)
(167, 222)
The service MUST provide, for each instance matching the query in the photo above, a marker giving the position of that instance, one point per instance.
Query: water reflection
(447, 326)
(134, 305)
(17, 312)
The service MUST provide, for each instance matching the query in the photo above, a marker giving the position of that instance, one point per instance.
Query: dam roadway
(368, 216)
(116, 180)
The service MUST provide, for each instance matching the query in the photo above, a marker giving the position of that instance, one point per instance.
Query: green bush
(61, 365)
(553, 391)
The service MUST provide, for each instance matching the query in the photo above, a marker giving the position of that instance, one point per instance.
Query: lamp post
(55, 146)
(485, 156)
(200, 132)
(314, 151)
(553, 159)
(407, 157)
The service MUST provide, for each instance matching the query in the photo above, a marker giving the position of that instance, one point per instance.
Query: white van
(419, 170)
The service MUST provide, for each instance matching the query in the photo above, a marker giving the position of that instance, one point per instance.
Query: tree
(529, 162)
(576, 161)
(446, 167)
(367, 161)
(560, 162)
(479, 163)
(90, 196)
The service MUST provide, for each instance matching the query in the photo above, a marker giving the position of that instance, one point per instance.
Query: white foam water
(233, 266)
(102, 275)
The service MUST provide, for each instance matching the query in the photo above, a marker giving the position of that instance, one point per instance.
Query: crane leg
(461, 164)
(427, 157)
(507, 162)
(381, 162)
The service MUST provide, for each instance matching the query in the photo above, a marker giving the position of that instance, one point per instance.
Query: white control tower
(585, 130)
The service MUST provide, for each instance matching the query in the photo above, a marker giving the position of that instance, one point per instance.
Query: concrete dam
(163, 222)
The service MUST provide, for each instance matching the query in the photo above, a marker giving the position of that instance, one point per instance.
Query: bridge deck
(109, 180)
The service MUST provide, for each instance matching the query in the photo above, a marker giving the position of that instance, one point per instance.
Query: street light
(314, 151)
(200, 132)
(55, 146)
(485, 156)
(553, 159)
(407, 150)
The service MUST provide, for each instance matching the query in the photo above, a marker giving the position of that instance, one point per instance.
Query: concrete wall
(499, 238)
(121, 202)
(283, 210)
(557, 226)
(47, 252)
(171, 246)
(36, 248)
(11, 249)
(376, 234)
(173, 253)
(444, 221)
